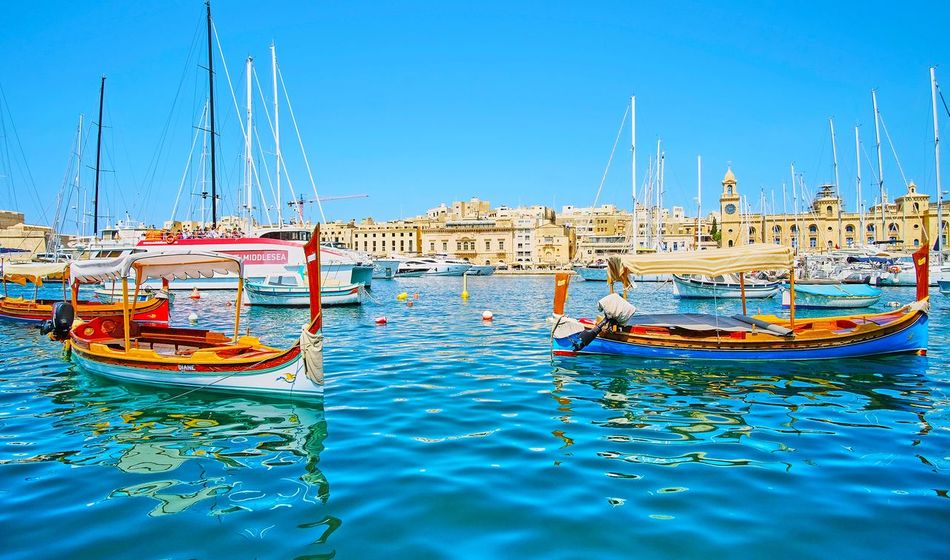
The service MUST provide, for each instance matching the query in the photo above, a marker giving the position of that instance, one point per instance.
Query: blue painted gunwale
(911, 338)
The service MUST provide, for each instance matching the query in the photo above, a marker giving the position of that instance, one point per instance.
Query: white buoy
(193, 318)
(487, 316)
(893, 304)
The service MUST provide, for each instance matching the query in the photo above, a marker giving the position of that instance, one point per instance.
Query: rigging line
(29, 174)
(152, 170)
(306, 161)
(267, 174)
(947, 109)
(227, 75)
(257, 179)
(184, 175)
(6, 161)
(603, 179)
(893, 150)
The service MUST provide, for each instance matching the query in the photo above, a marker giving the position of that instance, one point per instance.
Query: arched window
(729, 190)
(916, 207)
(751, 231)
(777, 229)
(730, 243)
(849, 228)
(828, 210)
(813, 229)
(916, 242)
(870, 228)
(892, 227)
(793, 228)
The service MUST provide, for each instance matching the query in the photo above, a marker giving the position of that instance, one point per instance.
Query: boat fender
(57, 327)
(616, 308)
(894, 269)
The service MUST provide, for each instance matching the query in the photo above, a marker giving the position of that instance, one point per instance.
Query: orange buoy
(488, 316)
(416, 295)
(195, 294)
(409, 303)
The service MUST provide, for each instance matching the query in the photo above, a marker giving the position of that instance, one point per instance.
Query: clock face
(730, 209)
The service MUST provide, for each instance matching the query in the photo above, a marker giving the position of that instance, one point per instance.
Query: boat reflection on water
(198, 453)
(667, 413)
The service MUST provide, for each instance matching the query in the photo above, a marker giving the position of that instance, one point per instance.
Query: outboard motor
(62, 320)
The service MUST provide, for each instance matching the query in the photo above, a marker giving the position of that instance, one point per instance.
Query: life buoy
(171, 238)
(894, 269)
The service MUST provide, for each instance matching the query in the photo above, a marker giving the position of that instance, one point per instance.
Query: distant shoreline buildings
(540, 237)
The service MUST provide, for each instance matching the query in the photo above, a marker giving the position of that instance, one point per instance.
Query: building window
(828, 210)
(432, 246)
(813, 229)
(849, 229)
(488, 244)
(730, 241)
(917, 243)
(501, 244)
(445, 246)
(812, 241)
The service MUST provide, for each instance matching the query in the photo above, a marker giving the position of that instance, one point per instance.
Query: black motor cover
(60, 323)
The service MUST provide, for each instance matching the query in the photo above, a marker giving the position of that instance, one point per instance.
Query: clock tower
(729, 211)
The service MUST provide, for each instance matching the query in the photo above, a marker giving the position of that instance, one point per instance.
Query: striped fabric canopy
(707, 263)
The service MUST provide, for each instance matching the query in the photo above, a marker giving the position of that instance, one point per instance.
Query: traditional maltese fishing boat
(622, 331)
(36, 310)
(122, 349)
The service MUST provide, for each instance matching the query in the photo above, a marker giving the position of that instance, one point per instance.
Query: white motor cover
(616, 308)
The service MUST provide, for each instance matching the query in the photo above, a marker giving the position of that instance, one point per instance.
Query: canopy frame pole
(125, 310)
(791, 297)
(237, 309)
(36, 289)
(75, 294)
(135, 297)
(742, 290)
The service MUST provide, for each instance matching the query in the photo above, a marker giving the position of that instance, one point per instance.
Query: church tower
(729, 206)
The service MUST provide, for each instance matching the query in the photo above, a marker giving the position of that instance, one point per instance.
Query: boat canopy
(34, 272)
(168, 265)
(706, 263)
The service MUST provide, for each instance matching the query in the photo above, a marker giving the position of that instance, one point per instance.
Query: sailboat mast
(655, 198)
(95, 198)
(248, 154)
(659, 203)
(699, 201)
(80, 218)
(880, 167)
(273, 61)
(933, 97)
(862, 235)
(633, 168)
(214, 184)
(834, 154)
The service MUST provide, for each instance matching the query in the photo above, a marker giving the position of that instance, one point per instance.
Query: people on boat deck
(221, 232)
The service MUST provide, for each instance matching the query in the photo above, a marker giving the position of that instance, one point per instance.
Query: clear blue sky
(416, 103)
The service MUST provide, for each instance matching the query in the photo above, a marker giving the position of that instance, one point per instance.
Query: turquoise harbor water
(445, 437)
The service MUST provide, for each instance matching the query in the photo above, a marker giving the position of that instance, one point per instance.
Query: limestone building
(906, 223)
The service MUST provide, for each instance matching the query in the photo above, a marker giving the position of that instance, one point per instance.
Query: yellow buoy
(402, 296)
(465, 286)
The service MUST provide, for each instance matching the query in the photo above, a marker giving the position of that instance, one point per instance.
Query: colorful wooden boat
(36, 310)
(622, 332)
(291, 290)
(730, 286)
(125, 350)
(832, 295)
